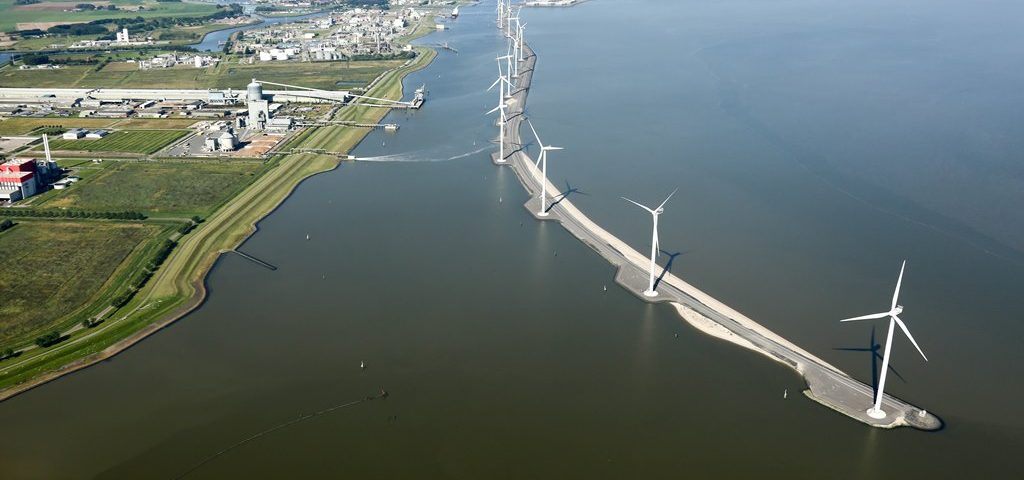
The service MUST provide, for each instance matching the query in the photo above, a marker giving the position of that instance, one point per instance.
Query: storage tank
(254, 91)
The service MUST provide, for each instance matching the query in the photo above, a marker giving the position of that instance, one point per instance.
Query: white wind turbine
(894, 310)
(654, 238)
(543, 160)
(508, 72)
(501, 12)
(513, 53)
(501, 130)
(521, 28)
(508, 17)
(501, 82)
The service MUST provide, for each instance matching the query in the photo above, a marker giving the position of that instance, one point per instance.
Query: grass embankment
(227, 74)
(129, 141)
(52, 268)
(183, 188)
(177, 287)
(11, 14)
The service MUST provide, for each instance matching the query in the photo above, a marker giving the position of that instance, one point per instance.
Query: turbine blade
(553, 148)
(896, 294)
(667, 199)
(867, 317)
(500, 78)
(495, 109)
(906, 331)
(534, 130)
(637, 204)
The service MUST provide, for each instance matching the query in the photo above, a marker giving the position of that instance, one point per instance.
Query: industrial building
(21, 178)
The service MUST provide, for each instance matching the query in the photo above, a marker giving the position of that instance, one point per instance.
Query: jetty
(826, 384)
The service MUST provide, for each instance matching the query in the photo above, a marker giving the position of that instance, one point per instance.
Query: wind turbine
(501, 131)
(654, 238)
(501, 12)
(521, 28)
(894, 310)
(543, 160)
(508, 72)
(501, 82)
(513, 53)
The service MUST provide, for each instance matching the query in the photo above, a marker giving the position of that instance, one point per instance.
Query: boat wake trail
(413, 158)
(262, 433)
(474, 152)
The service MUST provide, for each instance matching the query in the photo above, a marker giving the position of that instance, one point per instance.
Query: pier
(826, 384)
(255, 260)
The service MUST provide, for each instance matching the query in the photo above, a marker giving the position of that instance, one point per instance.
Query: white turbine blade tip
(866, 317)
(667, 198)
(637, 204)
(910, 337)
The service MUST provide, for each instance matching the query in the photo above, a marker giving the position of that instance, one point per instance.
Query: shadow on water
(873, 347)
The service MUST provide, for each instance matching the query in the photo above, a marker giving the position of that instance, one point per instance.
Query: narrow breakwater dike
(826, 384)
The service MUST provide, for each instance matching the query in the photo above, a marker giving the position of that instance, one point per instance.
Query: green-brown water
(815, 146)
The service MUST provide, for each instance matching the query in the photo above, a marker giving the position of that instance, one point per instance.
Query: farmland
(183, 188)
(53, 12)
(131, 141)
(52, 268)
(22, 126)
(325, 75)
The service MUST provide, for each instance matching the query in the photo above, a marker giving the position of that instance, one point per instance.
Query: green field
(227, 74)
(177, 287)
(53, 11)
(183, 188)
(51, 268)
(22, 126)
(131, 141)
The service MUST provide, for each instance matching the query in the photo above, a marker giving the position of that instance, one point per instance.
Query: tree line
(22, 212)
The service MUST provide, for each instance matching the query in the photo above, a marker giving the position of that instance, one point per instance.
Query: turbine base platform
(876, 413)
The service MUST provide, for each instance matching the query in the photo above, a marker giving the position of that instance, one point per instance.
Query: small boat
(362, 364)
(307, 236)
(455, 13)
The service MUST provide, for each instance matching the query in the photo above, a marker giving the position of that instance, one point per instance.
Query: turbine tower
(513, 53)
(894, 310)
(543, 160)
(501, 130)
(650, 292)
(521, 28)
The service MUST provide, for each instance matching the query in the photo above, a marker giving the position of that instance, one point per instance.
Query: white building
(122, 36)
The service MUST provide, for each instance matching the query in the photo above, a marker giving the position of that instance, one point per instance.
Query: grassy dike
(178, 287)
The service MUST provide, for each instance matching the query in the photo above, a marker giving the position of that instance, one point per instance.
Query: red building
(17, 179)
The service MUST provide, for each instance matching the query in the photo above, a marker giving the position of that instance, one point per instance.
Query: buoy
(785, 393)
(499, 200)
(307, 236)
(605, 288)
(362, 364)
